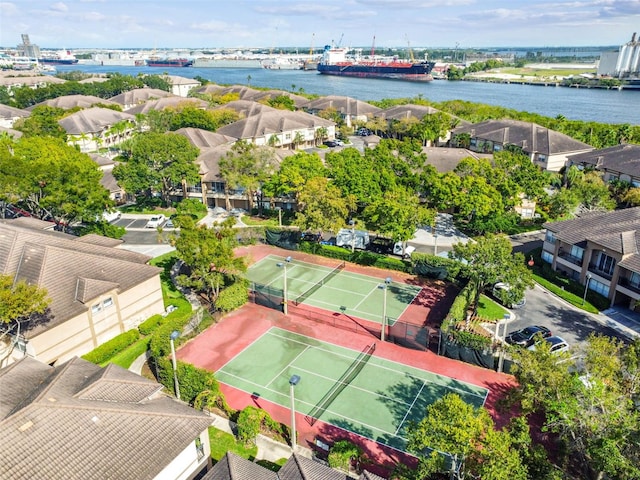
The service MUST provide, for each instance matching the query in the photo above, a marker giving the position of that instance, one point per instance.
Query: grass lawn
(223, 442)
(489, 309)
(572, 298)
(257, 221)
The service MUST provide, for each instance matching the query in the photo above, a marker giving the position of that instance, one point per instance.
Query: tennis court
(334, 289)
(354, 390)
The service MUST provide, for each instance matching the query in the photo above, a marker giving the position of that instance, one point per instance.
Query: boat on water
(335, 62)
(61, 57)
(169, 62)
(282, 63)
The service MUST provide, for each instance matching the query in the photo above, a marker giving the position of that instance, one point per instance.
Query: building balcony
(624, 282)
(601, 273)
(570, 258)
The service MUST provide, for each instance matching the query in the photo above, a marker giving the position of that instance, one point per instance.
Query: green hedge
(252, 420)
(116, 345)
(360, 257)
(341, 454)
(234, 296)
(149, 325)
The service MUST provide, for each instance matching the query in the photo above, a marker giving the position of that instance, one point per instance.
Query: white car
(110, 216)
(558, 344)
(155, 221)
(504, 287)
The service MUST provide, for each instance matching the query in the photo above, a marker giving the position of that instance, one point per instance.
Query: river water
(599, 105)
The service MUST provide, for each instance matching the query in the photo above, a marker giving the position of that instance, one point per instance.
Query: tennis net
(347, 377)
(302, 297)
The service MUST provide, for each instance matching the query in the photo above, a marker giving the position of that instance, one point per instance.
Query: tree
(469, 437)
(52, 180)
(354, 174)
(246, 166)
(156, 162)
(589, 401)
(489, 260)
(397, 215)
(321, 207)
(43, 122)
(294, 173)
(208, 253)
(19, 301)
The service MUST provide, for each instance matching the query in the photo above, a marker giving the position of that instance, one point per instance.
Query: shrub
(149, 325)
(117, 344)
(249, 422)
(342, 453)
(234, 296)
(191, 206)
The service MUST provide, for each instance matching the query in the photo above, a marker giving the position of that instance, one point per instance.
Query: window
(601, 288)
(577, 252)
(542, 158)
(634, 280)
(550, 237)
(547, 257)
(108, 302)
(96, 308)
(606, 263)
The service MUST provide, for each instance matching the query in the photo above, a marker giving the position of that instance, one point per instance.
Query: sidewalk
(622, 320)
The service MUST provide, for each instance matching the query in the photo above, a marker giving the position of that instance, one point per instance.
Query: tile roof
(72, 101)
(210, 88)
(399, 112)
(234, 467)
(167, 102)
(447, 159)
(269, 123)
(73, 271)
(303, 468)
(623, 158)
(8, 112)
(204, 138)
(140, 95)
(344, 105)
(246, 108)
(529, 136)
(78, 420)
(242, 91)
(617, 231)
(298, 100)
(93, 120)
(209, 160)
(178, 80)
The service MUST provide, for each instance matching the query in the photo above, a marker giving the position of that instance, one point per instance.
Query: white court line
(287, 366)
(266, 332)
(412, 404)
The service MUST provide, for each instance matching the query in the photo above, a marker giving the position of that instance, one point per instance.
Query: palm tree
(297, 140)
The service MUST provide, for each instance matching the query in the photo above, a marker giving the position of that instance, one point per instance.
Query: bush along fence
(457, 338)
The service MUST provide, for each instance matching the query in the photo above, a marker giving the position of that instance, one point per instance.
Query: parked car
(558, 344)
(330, 143)
(155, 221)
(237, 212)
(363, 132)
(526, 336)
(110, 216)
(169, 223)
(500, 292)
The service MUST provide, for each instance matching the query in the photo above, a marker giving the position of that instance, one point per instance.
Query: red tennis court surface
(224, 340)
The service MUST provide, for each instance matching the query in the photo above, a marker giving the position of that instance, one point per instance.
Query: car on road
(330, 143)
(557, 344)
(155, 221)
(525, 337)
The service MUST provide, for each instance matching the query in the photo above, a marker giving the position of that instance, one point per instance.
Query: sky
(305, 24)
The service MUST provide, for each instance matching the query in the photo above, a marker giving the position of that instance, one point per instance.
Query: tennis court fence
(347, 377)
(416, 337)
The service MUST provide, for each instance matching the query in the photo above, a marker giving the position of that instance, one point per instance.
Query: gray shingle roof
(447, 159)
(140, 95)
(209, 160)
(72, 101)
(93, 120)
(167, 102)
(623, 158)
(269, 123)
(204, 138)
(246, 108)
(344, 105)
(298, 100)
(73, 271)
(399, 112)
(62, 422)
(234, 467)
(8, 112)
(617, 231)
(529, 136)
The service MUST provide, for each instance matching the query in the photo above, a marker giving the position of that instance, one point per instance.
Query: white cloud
(8, 9)
(59, 7)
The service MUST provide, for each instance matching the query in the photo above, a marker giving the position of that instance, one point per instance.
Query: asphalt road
(564, 320)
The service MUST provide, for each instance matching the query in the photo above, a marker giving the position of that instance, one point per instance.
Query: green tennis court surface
(378, 403)
(341, 291)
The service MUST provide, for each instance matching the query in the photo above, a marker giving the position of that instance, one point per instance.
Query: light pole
(352, 222)
(293, 381)
(175, 334)
(283, 265)
(385, 287)
(586, 287)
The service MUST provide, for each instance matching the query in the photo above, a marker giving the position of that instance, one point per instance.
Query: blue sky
(265, 23)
